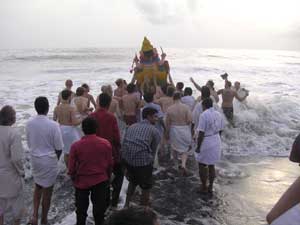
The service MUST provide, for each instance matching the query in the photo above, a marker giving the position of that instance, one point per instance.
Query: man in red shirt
(108, 129)
(90, 166)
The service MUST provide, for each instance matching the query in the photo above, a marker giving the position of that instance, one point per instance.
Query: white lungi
(210, 123)
(181, 138)
(70, 134)
(210, 150)
(44, 170)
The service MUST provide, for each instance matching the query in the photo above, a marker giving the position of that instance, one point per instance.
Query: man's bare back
(65, 114)
(129, 104)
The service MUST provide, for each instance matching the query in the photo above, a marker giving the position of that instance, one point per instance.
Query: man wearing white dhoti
(178, 130)
(45, 143)
(208, 151)
(11, 167)
(65, 115)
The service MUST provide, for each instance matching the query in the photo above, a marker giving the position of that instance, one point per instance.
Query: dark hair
(179, 85)
(228, 83)
(170, 91)
(207, 103)
(132, 216)
(41, 105)
(148, 97)
(148, 112)
(130, 88)
(79, 91)
(7, 116)
(104, 100)
(211, 83)
(205, 92)
(85, 86)
(65, 94)
(89, 126)
(119, 82)
(164, 89)
(177, 96)
(188, 91)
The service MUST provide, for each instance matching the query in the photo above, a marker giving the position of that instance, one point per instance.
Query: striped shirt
(140, 144)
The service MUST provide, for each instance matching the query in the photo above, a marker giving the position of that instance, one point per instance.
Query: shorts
(14, 205)
(140, 176)
(228, 112)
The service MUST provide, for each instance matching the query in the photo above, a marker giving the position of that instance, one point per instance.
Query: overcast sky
(266, 24)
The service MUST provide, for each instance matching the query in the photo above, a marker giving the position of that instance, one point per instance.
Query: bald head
(7, 116)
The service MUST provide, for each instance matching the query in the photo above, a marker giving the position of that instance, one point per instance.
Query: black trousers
(98, 195)
(116, 184)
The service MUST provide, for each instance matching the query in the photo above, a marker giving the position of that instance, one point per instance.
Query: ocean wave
(216, 56)
(293, 63)
(262, 128)
(65, 57)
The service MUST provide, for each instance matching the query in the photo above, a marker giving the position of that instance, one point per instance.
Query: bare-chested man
(178, 130)
(120, 91)
(89, 96)
(69, 85)
(227, 104)
(65, 115)
(114, 105)
(166, 101)
(130, 103)
(81, 104)
(236, 87)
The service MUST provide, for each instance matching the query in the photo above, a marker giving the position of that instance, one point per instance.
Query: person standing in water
(45, 142)
(208, 151)
(178, 131)
(227, 104)
(11, 168)
(69, 85)
(65, 115)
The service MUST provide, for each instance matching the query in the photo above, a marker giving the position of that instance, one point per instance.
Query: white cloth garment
(198, 110)
(290, 217)
(44, 170)
(11, 166)
(211, 123)
(189, 101)
(43, 138)
(70, 135)
(181, 138)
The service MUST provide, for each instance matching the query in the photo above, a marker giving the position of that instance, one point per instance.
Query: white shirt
(43, 136)
(211, 122)
(189, 101)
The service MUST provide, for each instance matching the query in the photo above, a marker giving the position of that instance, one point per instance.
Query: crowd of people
(166, 121)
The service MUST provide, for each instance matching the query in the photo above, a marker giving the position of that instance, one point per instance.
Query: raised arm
(197, 86)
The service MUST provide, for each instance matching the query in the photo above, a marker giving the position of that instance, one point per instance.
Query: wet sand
(246, 189)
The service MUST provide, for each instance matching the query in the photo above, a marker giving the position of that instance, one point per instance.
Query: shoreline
(244, 193)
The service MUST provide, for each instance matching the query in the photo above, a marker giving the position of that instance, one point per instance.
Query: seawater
(264, 128)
